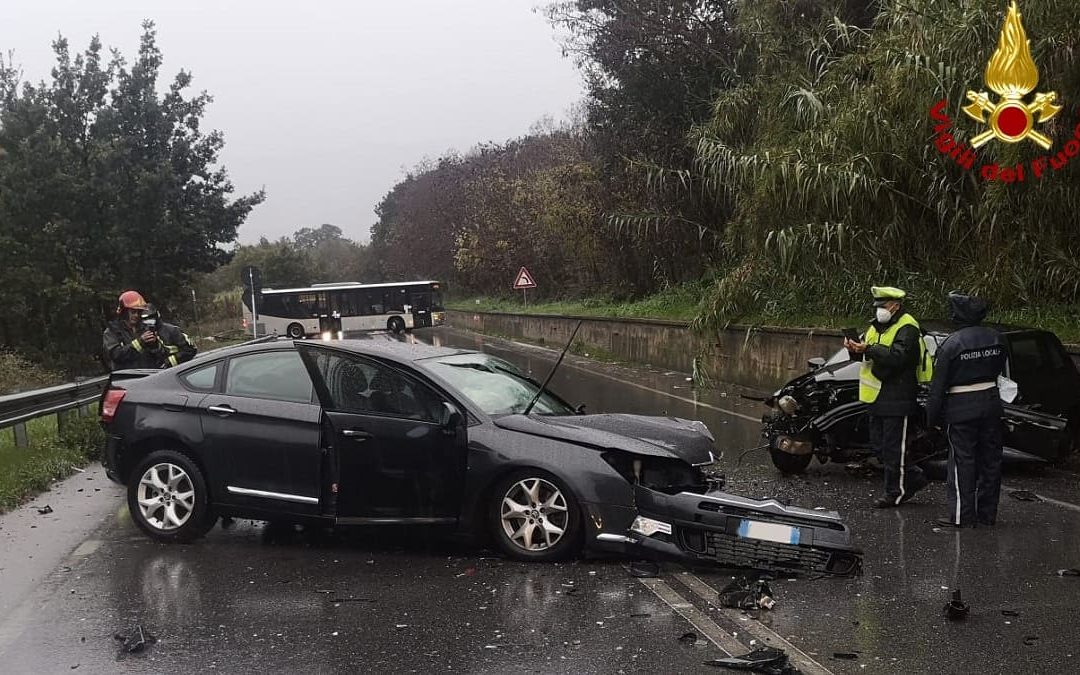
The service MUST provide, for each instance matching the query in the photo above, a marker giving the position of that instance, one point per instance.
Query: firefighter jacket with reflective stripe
(894, 364)
(122, 349)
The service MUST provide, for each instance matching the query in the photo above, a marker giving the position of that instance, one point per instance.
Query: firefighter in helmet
(138, 338)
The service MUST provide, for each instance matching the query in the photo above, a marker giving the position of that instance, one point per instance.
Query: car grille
(731, 550)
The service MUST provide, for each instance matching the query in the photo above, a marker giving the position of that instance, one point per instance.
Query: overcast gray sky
(326, 103)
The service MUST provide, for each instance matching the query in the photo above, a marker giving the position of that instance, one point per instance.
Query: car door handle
(356, 434)
(222, 409)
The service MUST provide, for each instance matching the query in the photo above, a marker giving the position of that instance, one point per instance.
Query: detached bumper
(732, 531)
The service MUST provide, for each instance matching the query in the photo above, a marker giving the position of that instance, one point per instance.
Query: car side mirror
(815, 363)
(451, 417)
(580, 410)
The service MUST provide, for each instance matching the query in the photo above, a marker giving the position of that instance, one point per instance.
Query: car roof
(402, 352)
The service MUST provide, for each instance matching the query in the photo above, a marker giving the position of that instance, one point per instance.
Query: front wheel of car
(534, 517)
(789, 463)
(168, 499)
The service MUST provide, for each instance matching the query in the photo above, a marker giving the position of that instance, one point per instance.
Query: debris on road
(743, 594)
(847, 656)
(1025, 496)
(1010, 612)
(1071, 572)
(957, 609)
(351, 599)
(136, 642)
(644, 569)
(44, 510)
(1031, 640)
(767, 660)
(688, 638)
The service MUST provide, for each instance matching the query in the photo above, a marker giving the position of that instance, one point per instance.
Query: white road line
(801, 659)
(706, 626)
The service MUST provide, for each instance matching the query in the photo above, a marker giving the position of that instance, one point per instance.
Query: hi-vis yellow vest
(870, 386)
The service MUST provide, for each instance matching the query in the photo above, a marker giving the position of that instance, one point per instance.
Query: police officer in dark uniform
(964, 398)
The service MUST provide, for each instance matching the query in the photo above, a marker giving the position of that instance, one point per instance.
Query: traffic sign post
(524, 281)
(251, 277)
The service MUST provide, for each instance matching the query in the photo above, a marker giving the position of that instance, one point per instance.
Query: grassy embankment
(683, 303)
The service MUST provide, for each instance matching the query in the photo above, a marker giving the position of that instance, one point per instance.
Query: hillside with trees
(782, 152)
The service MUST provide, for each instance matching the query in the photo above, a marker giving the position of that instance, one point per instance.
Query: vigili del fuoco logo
(1012, 75)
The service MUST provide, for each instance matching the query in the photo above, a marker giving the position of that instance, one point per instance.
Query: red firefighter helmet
(130, 300)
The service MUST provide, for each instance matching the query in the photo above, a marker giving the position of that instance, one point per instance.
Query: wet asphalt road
(255, 598)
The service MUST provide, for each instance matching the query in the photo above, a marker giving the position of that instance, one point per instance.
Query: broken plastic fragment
(136, 642)
(957, 609)
(1010, 612)
(1025, 496)
(688, 638)
(849, 656)
(1031, 640)
(743, 594)
(1071, 572)
(766, 660)
(44, 510)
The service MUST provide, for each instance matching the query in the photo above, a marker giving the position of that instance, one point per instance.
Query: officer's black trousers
(891, 438)
(974, 482)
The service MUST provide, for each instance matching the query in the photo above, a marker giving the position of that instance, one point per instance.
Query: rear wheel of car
(534, 517)
(168, 499)
(789, 463)
(395, 325)
(295, 331)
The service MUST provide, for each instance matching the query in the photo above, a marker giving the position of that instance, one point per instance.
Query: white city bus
(302, 312)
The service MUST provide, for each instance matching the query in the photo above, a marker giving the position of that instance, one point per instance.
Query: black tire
(295, 331)
(569, 520)
(396, 325)
(789, 463)
(195, 514)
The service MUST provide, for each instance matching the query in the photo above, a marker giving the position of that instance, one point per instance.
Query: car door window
(202, 379)
(276, 375)
(361, 386)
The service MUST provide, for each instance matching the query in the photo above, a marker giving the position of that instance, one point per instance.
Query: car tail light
(111, 403)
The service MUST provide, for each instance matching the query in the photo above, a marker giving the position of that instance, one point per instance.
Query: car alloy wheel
(166, 497)
(534, 514)
(535, 517)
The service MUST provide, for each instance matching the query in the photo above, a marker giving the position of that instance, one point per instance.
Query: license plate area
(774, 532)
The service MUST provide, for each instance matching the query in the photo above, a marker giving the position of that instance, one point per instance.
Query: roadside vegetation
(51, 456)
(683, 303)
(783, 151)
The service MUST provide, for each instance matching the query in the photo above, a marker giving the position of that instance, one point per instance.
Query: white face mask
(883, 315)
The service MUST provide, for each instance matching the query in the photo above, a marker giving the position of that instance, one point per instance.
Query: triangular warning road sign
(523, 280)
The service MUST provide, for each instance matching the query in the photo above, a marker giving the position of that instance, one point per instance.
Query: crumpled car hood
(653, 436)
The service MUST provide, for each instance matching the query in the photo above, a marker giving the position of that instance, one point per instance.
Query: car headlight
(648, 527)
(788, 404)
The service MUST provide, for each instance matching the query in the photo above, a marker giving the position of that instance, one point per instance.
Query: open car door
(400, 445)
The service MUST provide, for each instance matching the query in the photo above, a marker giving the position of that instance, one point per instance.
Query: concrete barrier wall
(758, 357)
(762, 358)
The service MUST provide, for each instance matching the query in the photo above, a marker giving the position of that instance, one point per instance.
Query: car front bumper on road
(731, 531)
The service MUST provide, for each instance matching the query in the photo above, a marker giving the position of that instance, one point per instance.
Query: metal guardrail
(17, 409)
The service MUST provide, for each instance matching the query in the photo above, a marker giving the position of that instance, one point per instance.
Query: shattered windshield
(495, 386)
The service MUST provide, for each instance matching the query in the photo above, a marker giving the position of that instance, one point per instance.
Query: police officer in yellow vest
(894, 363)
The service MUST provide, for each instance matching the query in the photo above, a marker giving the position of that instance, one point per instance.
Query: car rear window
(276, 375)
(202, 379)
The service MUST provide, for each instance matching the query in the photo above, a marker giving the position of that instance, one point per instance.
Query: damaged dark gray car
(371, 433)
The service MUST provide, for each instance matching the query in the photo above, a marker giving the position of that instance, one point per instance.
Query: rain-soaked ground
(253, 598)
